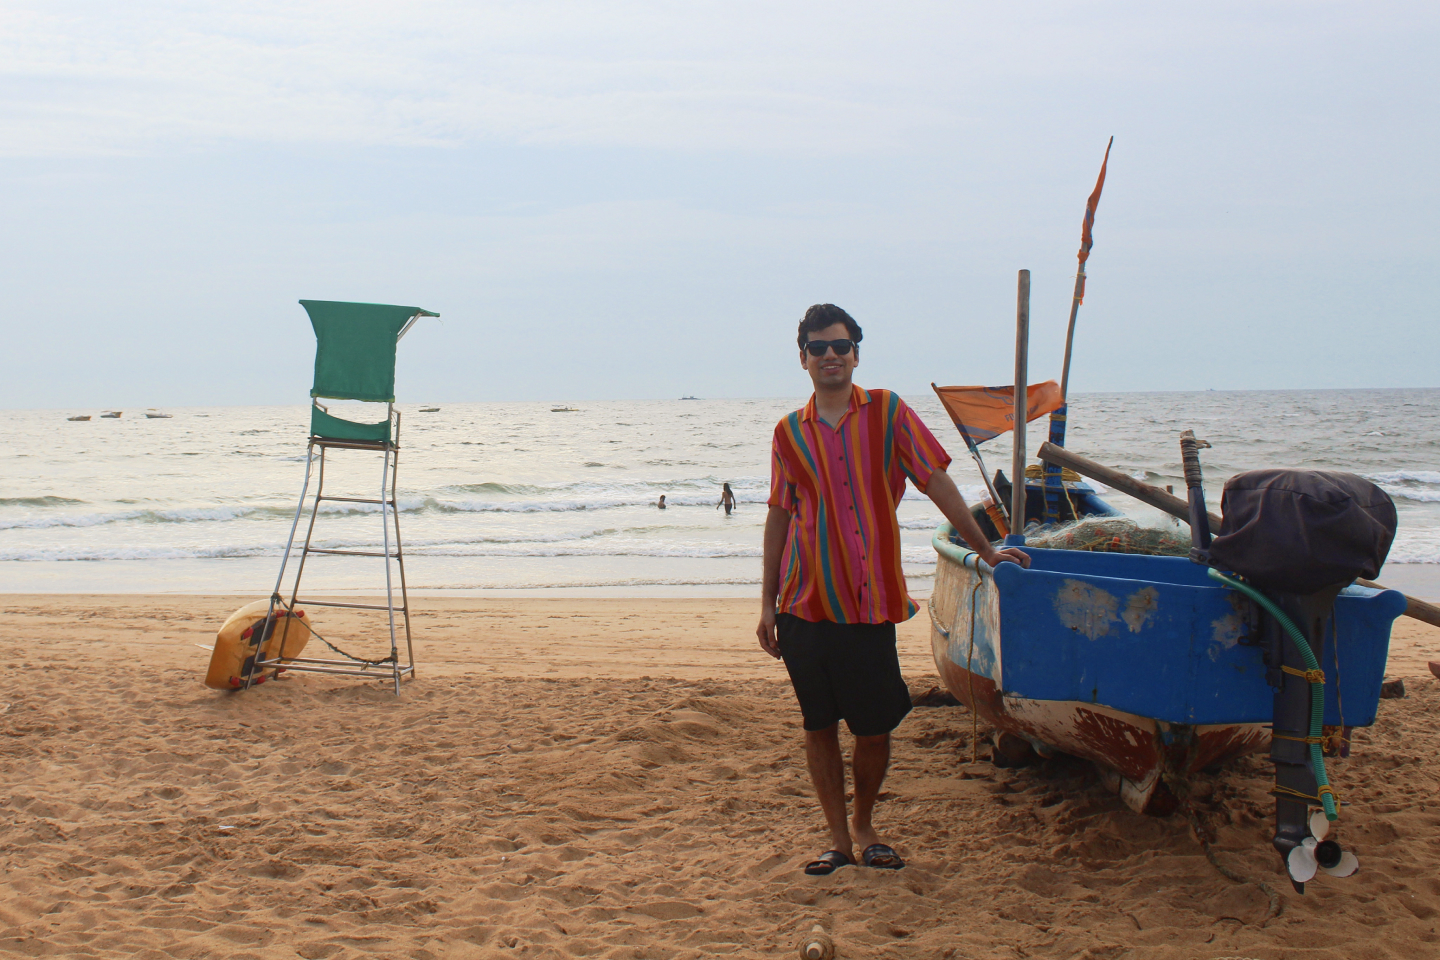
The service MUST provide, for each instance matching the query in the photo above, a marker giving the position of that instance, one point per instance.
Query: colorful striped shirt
(841, 486)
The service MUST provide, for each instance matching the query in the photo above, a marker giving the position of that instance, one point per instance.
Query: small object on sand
(816, 945)
(1435, 668)
(1393, 689)
(934, 697)
(1012, 751)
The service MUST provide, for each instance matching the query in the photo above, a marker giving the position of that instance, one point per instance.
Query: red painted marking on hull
(1133, 749)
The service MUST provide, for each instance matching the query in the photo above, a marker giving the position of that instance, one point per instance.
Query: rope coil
(1317, 798)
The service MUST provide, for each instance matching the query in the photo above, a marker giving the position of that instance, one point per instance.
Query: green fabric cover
(334, 428)
(355, 348)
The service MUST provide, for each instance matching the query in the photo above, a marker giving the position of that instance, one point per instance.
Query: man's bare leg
(872, 760)
(827, 773)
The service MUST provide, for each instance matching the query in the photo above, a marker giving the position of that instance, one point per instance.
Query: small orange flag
(1086, 239)
(986, 412)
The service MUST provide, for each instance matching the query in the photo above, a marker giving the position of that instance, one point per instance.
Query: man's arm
(777, 524)
(941, 490)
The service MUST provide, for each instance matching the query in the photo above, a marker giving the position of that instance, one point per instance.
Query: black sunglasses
(817, 348)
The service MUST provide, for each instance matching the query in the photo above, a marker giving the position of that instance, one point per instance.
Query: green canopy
(355, 347)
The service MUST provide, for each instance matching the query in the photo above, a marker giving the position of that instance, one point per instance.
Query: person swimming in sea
(661, 502)
(727, 499)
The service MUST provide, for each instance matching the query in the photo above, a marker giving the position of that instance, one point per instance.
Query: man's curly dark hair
(823, 315)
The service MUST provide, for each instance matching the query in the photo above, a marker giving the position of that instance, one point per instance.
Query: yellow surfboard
(239, 639)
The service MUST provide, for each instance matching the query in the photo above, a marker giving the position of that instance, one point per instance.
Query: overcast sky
(629, 199)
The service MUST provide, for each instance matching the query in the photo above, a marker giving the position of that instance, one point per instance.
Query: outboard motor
(1297, 537)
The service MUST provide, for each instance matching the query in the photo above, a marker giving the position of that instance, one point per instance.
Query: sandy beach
(617, 778)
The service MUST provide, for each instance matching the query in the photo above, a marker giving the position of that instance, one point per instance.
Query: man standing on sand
(833, 588)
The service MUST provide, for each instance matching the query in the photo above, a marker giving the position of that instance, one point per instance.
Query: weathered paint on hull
(1135, 753)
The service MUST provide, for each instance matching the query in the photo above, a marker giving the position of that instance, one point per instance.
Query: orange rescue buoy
(241, 636)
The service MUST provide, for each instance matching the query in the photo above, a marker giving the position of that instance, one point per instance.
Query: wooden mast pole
(1054, 485)
(1022, 380)
(1070, 339)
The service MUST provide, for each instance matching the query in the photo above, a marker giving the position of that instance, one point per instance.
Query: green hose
(1317, 689)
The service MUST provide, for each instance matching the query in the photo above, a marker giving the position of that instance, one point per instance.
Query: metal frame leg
(285, 560)
(389, 586)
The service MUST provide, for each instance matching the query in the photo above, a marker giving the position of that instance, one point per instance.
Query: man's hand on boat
(995, 557)
(941, 490)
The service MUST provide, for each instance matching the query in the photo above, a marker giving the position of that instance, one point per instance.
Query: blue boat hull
(1135, 662)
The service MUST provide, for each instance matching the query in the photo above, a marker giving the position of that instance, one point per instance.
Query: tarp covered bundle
(987, 412)
(1300, 531)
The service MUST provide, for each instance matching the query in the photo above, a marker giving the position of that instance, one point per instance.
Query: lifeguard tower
(355, 346)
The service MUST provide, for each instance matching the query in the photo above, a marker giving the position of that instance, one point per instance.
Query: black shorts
(844, 671)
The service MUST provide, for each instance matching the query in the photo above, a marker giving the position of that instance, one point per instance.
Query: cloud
(93, 78)
(89, 78)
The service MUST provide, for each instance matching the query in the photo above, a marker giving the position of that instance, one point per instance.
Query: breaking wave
(1422, 486)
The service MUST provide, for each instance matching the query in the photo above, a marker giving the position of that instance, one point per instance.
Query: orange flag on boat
(985, 412)
(1086, 239)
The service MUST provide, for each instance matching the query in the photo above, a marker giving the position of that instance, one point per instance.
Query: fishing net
(1111, 535)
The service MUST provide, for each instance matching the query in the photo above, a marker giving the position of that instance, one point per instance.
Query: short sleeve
(919, 453)
(782, 488)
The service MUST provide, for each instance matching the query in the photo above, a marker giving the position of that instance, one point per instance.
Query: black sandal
(827, 863)
(881, 857)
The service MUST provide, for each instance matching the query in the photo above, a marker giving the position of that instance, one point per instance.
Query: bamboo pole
(1022, 380)
(1414, 608)
(1075, 301)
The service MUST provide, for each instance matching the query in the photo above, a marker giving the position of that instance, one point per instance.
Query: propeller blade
(1301, 862)
(1348, 864)
(1319, 824)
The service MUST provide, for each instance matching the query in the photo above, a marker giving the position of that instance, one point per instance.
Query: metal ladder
(351, 666)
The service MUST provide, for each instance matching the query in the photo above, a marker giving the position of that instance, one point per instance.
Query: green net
(1111, 535)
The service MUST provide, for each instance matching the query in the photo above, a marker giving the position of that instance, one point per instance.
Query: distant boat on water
(153, 414)
(564, 409)
(81, 416)
(429, 409)
(111, 414)
(689, 398)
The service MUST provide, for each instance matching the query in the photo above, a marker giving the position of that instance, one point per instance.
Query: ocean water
(512, 497)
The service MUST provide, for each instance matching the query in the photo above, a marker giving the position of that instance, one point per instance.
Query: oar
(1173, 505)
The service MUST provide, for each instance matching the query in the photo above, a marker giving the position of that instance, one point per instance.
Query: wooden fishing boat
(1156, 666)
(79, 418)
(111, 415)
(1141, 664)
